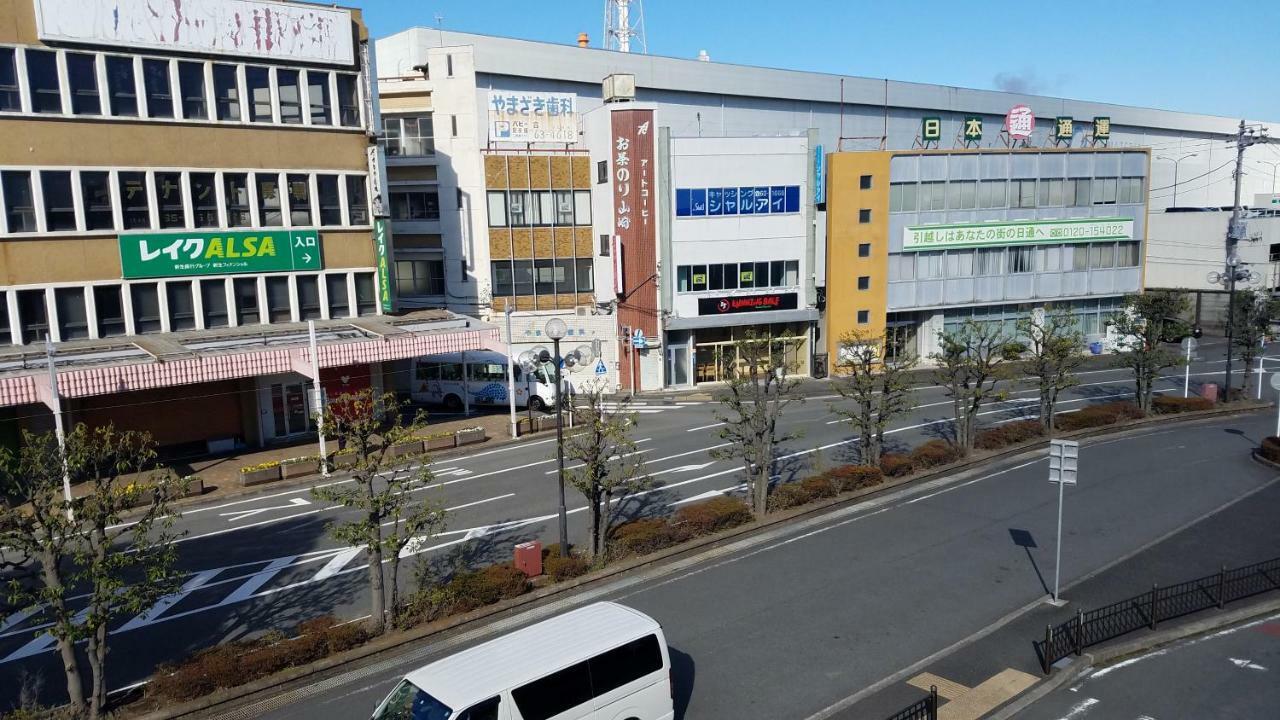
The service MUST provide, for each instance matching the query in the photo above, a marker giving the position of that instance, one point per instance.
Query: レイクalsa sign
(178, 254)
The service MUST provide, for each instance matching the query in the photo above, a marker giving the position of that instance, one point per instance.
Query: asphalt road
(790, 623)
(1227, 674)
(265, 561)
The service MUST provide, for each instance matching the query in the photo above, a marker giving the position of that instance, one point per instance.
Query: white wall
(1183, 248)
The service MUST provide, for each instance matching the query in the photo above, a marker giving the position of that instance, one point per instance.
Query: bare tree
(55, 546)
(1146, 321)
(1054, 345)
(610, 465)
(1252, 322)
(758, 390)
(388, 518)
(877, 386)
(969, 366)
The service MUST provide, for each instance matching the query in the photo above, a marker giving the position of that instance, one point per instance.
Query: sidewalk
(1003, 664)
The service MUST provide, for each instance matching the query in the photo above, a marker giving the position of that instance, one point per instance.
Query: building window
(59, 205)
(586, 268)
(415, 205)
(42, 80)
(308, 297)
(453, 125)
(605, 242)
(502, 278)
(299, 200)
(109, 308)
(289, 86)
(318, 97)
(121, 86)
(602, 172)
(864, 182)
(269, 199)
(20, 205)
(10, 95)
(448, 64)
(73, 324)
(339, 298)
(864, 317)
(236, 189)
(33, 316)
(95, 192)
(135, 210)
(864, 282)
(155, 79)
(330, 200)
(864, 249)
(366, 295)
(213, 298)
(191, 86)
(933, 196)
(522, 277)
(1021, 259)
(246, 295)
(1022, 193)
(497, 209)
(992, 194)
(864, 216)
(1081, 196)
(182, 309)
(278, 305)
(169, 194)
(408, 136)
(1131, 191)
(420, 277)
(146, 307)
(348, 100)
(563, 206)
(226, 92)
(582, 207)
(82, 77)
(1105, 191)
(989, 261)
(357, 201)
(544, 277)
(1127, 254)
(1051, 193)
(204, 199)
(257, 86)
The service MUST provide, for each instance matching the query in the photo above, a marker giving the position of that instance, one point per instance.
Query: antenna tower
(624, 26)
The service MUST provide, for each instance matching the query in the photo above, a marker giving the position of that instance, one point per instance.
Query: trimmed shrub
(896, 465)
(788, 496)
(1164, 404)
(1098, 416)
(855, 477)
(564, 568)
(714, 515)
(819, 487)
(1270, 448)
(643, 536)
(1007, 434)
(464, 592)
(933, 454)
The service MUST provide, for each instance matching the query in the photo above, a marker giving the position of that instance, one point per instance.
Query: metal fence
(1092, 627)
(926, 709)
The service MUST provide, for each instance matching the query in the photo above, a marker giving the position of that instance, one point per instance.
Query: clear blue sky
(1218, 58)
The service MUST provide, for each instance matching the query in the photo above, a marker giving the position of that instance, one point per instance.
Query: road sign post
(1275, 383)
(1188, 344)
(1064, 458)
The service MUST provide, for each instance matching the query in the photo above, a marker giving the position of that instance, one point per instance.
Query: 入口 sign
(1031, 232)
(178, 254)
(533, 117)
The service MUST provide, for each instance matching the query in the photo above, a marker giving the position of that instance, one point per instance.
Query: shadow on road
(682, 678)
(1024, 540)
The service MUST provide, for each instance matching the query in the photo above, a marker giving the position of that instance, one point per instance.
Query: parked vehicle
(602, 661)
(439, 379)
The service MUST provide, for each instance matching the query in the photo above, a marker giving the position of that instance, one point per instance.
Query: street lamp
(1175, 172)
(556, 330)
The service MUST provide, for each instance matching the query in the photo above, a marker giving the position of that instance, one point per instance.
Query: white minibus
(603, 661)
(439, 379)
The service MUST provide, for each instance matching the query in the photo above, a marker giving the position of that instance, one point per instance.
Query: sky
(1215, 58)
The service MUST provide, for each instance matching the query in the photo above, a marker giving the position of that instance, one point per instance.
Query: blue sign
(600, 368)
(638, 340)
(819, 176)
(719, 202)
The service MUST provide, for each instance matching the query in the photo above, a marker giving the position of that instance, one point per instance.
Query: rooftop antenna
(623, 24)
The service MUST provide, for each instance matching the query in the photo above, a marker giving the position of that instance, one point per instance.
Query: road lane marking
(258, 579)
(242, 514)
(19, 617)
(335, 564)
(42, 642)
(705, 427)
(168, 601)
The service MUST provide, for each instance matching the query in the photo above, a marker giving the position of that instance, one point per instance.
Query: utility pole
(1245, 137)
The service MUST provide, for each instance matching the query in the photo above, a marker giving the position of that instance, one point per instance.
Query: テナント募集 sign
(178, 254)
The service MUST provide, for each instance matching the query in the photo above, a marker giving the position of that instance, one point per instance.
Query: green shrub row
(1099, 415)
(646, 535)
(465, 591)
(1165, 404)
(1010, 433)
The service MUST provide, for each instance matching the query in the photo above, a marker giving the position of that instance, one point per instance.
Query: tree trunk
(395, 588)
(98, 666)
(66, 647)
(596, 531)
(377, 599)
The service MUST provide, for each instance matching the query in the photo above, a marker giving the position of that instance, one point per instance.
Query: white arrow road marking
(460, 472)
(168, 601)
(1246, 664)
(258, 579)
(336, 564)
(1080, 709)
(242, 514)
(683, 468)
(704, 496)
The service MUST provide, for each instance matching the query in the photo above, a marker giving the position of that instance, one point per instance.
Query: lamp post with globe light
(556, 330)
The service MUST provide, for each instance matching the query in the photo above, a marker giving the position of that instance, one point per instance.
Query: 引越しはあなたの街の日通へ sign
(1030, 232)
(179, 254)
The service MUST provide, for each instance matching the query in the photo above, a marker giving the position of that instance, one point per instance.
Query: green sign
(1027, 232)
(1101, 127)
(931, 129)
(382, 246)
(972, 128)
(177, 254)
(1063, 127)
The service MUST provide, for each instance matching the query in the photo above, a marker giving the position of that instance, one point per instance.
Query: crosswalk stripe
(19, 617)
(168, 601)
(42, 642)
(338, 562)
(258, 579)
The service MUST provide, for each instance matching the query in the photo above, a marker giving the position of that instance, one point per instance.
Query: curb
(1109, 654)
(956, 471)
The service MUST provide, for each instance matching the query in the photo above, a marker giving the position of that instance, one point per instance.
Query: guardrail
(1089, 628)
(926, 709)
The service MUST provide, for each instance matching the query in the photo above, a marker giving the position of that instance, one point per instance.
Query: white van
(439, 379)
(603, 661)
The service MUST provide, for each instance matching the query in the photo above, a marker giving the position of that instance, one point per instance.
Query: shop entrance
(715, 350)
(282, 405)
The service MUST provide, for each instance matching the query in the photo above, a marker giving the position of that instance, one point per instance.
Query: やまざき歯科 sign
(1030, 232)
(178, 254)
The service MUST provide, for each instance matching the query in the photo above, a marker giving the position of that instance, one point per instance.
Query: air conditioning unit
(583, 310)
(619, 87)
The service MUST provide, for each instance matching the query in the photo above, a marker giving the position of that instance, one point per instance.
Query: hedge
(714, 515)
(563, 568)
(1270, 449)
(464, 592)
(1010, 433)
(1098, 416)
(643, 536)
(933, 454)
(896, 465)
(788, 496)
(1165, 404)
(855, 477)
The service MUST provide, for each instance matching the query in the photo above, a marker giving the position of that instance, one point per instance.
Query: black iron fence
(1092, 627)
(926, 709)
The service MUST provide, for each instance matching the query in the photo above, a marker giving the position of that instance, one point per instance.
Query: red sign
(746, 303)
(1020, 122)
(635, 220)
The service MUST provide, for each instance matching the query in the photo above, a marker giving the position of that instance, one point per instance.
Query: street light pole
(556, 330)
(56, 397)
(511, 373)
(1175, 172)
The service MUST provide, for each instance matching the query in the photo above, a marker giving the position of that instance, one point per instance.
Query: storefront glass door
(678, 364)
(288, 411)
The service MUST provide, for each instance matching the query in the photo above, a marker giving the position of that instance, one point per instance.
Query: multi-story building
(183, 188)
